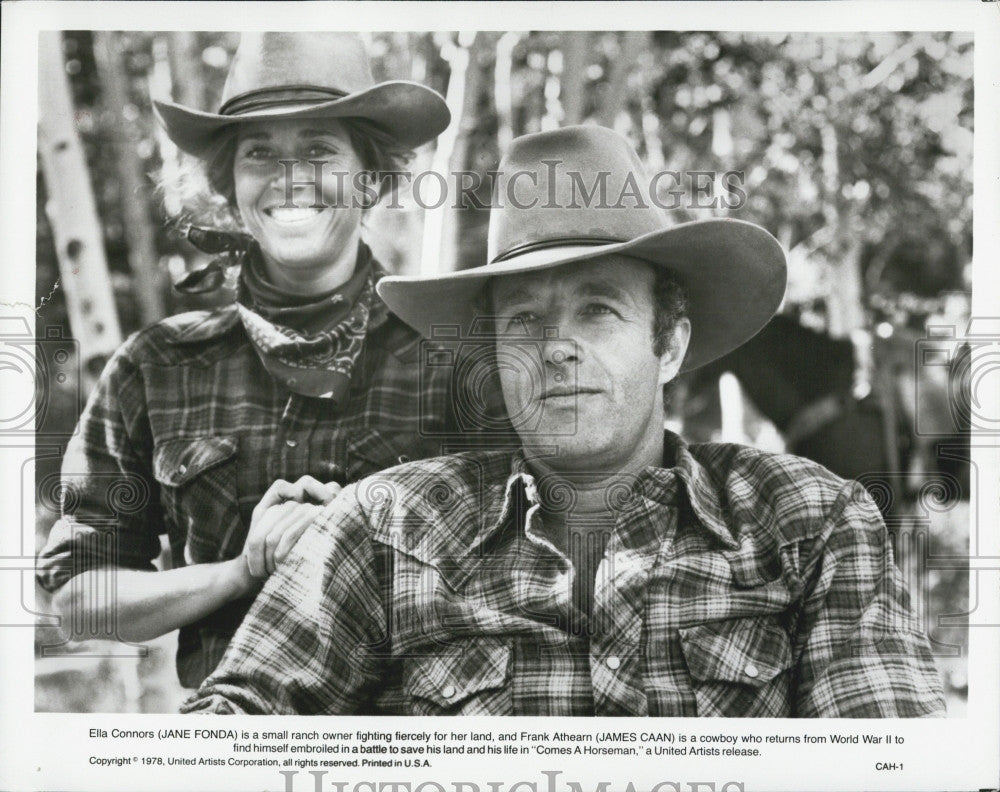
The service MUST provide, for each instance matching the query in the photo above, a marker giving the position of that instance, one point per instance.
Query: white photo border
(50, 751)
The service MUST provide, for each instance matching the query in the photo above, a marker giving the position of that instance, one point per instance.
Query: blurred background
(854, 151)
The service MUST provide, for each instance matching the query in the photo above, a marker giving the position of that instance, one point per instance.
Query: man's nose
(559, 349)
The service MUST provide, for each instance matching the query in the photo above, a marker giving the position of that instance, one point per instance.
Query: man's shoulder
(789, 495)
(435, 483)
(434, 506)
(775, 473)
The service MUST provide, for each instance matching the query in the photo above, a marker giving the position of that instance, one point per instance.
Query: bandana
(309, 343)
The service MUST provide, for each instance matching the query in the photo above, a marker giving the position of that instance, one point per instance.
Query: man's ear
(671, 360)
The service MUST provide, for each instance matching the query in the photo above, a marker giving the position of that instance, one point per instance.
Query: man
(604, 567)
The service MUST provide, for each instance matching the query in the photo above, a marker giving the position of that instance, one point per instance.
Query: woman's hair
(204, 191)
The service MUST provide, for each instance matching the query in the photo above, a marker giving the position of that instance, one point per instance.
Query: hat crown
(577, 185)
(336, 61)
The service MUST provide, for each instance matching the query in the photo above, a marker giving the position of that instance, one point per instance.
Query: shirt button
(751, 671)
(182, 469)
(291, 443)
(448, 691)
(613, 662)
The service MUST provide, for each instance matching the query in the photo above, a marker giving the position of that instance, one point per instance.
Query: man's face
(576, 362)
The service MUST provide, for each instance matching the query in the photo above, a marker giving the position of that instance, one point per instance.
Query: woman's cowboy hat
(547, 213)
(308, 75)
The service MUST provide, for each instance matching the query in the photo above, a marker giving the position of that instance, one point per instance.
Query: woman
(307, 378)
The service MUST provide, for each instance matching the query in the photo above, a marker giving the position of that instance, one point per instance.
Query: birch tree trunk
(845, 299)
(72, 212)
(161, 87)
(574, 46)
(147, 280)
(184, 55)
(633, 43)
(412, 224)
(440, 243)
(503, 95)
(844, 303)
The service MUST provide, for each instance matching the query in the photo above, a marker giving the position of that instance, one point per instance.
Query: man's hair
(207, 190)
(669, 307)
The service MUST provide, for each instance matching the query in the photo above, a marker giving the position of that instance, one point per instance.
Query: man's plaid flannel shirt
(736, 583)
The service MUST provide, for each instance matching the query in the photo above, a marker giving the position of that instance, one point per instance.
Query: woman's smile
(293, 216)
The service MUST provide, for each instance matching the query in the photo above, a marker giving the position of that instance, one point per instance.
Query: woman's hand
(280, 518)
(148, 604)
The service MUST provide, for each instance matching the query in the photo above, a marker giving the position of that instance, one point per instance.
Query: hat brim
(733, 272)
(409, 111)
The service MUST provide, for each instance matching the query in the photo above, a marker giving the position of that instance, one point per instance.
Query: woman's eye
(258, 153)
(319, 150)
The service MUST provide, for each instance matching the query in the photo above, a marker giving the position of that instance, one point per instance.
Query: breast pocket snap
(464, 678)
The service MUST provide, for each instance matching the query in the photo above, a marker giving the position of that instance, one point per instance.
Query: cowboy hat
(308, 75)
(548, 211)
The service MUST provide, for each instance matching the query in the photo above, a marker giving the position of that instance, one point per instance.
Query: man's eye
(520, 322)
(599, 309)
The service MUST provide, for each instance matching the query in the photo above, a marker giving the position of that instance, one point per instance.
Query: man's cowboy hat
(732, 271)
(308, 75)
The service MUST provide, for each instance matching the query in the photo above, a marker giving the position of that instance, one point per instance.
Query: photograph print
(578, 373)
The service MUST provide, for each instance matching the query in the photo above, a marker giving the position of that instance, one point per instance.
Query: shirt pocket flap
(746, 651)
(456, 672)
(176, 462)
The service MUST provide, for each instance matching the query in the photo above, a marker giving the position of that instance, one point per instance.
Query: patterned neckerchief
(309, 343)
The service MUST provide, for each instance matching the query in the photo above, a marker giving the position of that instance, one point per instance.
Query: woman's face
(294, 184)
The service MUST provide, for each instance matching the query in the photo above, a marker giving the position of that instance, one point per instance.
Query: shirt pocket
(464, 678)
(739, 667)
(198, 483)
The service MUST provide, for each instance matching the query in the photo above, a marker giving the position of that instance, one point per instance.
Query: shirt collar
(705, 494)
(208, 326)
(657, 484)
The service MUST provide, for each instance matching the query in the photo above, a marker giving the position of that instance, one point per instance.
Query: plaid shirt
(735, 583)
(186, 430)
